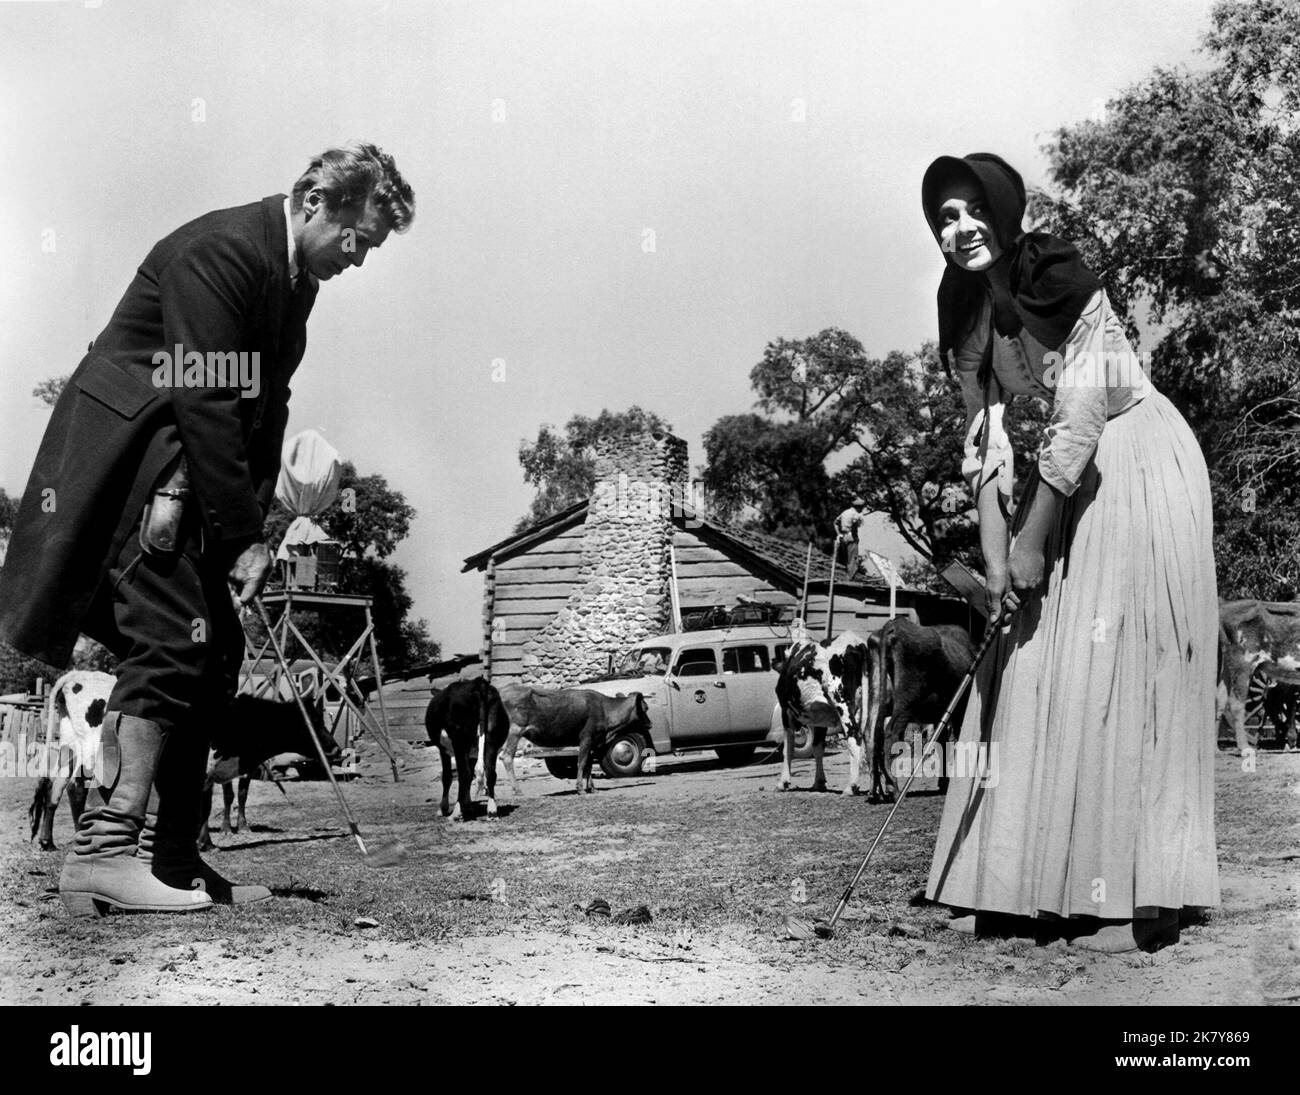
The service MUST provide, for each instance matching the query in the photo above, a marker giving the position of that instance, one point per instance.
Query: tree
(8, 512)
(900, 419)
(561, 466)
(1183, 198)
(368, 523)
(48, 391)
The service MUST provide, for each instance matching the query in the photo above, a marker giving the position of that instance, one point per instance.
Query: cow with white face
(1254, 637)
(820, 687)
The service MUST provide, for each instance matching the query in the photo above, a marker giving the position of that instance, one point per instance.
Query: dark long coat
(219, 284)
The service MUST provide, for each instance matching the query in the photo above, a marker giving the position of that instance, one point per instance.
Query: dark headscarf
(1049, 283)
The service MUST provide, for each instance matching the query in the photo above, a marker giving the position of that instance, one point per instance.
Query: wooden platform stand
(336, 675)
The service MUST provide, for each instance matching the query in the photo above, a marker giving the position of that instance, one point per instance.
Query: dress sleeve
(987, 452)
(1079, 408)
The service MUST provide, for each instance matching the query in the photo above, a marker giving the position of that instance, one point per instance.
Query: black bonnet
(1004, 190)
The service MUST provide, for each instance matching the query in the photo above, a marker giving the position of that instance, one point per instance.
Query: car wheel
(735, 755)
(562, 767)
(624, 757)
(803, 742)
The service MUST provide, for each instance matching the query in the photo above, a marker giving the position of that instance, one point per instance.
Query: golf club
(827, 930)
(388, 854)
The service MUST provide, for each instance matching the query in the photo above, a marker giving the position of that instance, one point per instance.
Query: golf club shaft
(939, 730)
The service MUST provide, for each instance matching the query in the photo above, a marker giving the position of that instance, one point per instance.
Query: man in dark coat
(141, 524)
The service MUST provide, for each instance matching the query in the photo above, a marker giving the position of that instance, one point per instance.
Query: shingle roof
(792, 558)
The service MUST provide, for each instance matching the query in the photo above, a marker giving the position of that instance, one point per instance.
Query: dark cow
(228, 802)
(912, 674)
(253, 731)
(1281, 704)
(819, 686)
(569, 717)
(465, 718)
(1254, 637)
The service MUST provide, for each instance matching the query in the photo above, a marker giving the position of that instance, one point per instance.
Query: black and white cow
(820, 687)
(79, 700)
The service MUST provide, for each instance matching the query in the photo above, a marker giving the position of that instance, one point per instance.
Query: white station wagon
(709, 689)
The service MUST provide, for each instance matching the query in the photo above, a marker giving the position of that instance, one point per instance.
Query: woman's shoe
(1126, 936)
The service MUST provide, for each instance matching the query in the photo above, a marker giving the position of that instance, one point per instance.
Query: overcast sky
(775, 150)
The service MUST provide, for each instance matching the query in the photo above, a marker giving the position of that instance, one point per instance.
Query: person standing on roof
(846, 532)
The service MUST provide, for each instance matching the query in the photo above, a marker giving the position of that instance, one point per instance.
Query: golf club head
(391, 854)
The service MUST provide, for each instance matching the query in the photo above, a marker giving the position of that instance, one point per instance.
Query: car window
(699, 661)
(646, 659)
(653, 659)
(745, 659)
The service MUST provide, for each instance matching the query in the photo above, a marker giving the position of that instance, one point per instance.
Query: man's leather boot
(102, 870)
(170, 836)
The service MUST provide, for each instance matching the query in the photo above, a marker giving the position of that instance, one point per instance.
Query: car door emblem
(699, 695)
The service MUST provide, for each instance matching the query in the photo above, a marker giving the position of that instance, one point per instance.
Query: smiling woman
(1099, 695)
(966, 229)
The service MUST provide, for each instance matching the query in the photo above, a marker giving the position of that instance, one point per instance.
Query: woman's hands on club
(997, 584)
(1006, 589)
(1025, 568)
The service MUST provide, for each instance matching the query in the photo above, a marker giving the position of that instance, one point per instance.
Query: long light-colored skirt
(1097, 703)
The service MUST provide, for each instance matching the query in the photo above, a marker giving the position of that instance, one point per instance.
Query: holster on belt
(160, 525)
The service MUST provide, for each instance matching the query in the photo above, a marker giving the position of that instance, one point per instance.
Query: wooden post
(673, 596)
(830, 592)
(807, 575)
(379, 693)
(489, 615)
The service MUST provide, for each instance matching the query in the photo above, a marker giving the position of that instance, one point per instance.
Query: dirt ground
(491, 911)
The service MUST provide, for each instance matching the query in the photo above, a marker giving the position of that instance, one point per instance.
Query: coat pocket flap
(117, 390)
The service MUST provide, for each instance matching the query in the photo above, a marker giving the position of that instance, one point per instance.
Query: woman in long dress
(1097, 700)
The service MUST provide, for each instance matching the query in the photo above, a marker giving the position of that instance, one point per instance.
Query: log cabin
(639, 558)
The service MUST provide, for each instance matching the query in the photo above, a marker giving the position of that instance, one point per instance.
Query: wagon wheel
(1256, 693)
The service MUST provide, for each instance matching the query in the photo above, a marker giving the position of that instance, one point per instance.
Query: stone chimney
(623, 576)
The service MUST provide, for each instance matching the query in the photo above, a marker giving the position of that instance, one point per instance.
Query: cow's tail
(433, 720)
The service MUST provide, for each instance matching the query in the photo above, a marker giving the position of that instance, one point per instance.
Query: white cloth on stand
(308, 484)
